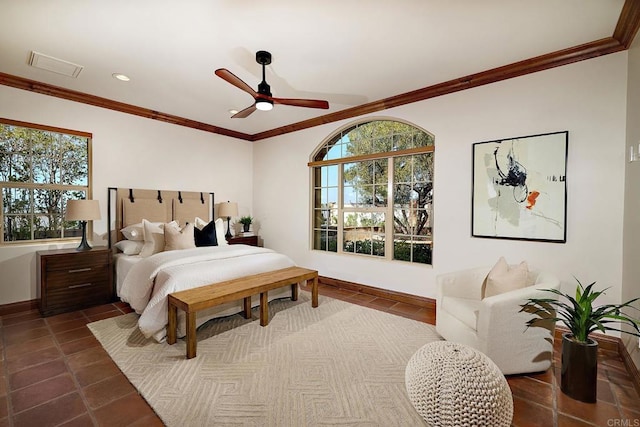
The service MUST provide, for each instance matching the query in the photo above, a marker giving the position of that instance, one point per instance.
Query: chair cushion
(464, 309)
(503, 279)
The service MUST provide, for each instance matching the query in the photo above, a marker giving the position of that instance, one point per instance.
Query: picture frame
(519, 188)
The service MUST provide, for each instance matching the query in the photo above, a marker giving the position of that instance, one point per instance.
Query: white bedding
(152, 279)
(123, 265)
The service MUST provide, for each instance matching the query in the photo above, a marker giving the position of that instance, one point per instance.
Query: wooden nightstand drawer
(240, 240)
(71, 280)
(78, 296)
(76, 276)
(76, 261)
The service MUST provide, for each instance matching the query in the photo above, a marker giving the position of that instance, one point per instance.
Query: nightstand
(241, 240)
(70, 280)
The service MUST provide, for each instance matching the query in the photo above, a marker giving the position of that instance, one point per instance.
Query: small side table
(70, 280)
(243, 240)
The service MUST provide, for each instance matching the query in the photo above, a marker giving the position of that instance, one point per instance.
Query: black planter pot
(245, 227)
(579, 376)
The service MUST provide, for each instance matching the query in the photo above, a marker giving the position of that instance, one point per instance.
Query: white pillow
(222, 241)
(133, 232)
(129, 247)
(175, 239)
(503, 279)
(154, 237)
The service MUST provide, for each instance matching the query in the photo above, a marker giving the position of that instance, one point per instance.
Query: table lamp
(83, 210)
(228, 209)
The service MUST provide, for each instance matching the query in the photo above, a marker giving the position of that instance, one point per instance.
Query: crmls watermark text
(623, 422)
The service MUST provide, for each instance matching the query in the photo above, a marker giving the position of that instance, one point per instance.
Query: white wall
(128, 151)
(587, 98)
(631, 270)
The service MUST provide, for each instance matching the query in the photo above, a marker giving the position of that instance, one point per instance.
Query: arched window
(372, 189)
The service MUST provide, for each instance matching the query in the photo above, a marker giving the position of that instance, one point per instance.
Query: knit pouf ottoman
(452, 384)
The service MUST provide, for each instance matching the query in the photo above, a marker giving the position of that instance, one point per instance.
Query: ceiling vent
(49, 63)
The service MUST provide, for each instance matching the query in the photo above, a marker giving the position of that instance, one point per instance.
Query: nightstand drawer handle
(79, 270)
(84, 285)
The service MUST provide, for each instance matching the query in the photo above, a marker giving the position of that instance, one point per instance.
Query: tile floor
(55, 373)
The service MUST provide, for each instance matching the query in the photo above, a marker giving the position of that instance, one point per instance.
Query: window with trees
(373, 192)
(41, 168)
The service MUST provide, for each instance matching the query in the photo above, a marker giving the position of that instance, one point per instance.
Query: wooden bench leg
(294, 292)
(191, 335)
(247, 308)
(264, 309)
(314, 292)
(173, 323)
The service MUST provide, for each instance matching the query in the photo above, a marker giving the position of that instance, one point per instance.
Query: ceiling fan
(263, 99)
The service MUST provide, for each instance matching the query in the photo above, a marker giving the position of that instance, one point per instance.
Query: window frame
(387, 210)
(88, 189)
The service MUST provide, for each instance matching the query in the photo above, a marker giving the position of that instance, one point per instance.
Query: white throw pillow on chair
(503, 279)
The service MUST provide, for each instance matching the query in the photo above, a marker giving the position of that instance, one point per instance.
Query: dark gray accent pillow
(206, 236)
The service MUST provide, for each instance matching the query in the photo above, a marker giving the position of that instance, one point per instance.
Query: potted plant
(246, 223)
(581, 317)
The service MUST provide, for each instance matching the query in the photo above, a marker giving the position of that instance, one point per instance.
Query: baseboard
(628, 363)
(378, 292)
(17, 307)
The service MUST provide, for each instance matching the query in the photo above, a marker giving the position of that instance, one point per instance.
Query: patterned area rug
(338, 364)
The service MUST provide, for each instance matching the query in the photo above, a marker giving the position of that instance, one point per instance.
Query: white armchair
(494, 324)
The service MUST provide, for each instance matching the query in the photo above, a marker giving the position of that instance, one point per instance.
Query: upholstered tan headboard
(130, 205)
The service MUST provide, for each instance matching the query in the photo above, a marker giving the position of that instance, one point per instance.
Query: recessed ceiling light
(121, 77)
(233, 111)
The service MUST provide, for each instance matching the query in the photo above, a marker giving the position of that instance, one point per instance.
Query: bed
(167, 241)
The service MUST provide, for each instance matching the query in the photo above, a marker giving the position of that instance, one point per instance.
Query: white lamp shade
(228, 209)
(82, 210)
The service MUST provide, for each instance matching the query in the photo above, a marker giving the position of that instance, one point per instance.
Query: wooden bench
(193, 300)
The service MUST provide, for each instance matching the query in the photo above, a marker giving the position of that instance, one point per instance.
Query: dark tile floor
(55, 373)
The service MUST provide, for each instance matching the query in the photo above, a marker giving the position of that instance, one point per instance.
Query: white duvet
(148, 283)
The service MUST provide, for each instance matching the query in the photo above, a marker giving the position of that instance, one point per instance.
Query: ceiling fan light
(264, 104)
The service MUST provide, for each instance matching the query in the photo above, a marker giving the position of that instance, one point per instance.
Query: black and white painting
(519, 188)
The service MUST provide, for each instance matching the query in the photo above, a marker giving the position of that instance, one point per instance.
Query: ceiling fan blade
(244, 113)
(309, 103)
(229, 77)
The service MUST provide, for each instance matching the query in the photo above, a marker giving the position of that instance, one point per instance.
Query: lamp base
(228, 235)
(84, 245)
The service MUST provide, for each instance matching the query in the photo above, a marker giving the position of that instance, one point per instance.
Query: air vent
(49, 63)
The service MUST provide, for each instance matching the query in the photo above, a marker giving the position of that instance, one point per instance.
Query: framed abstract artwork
(520, 188)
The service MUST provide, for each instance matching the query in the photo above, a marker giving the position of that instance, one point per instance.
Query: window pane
(17, 227)
(16, 200)
(380, 195)
(332, 240)
(402, 167)
(381, 171)
(47, 201)
(332, 196)
(75, 160)
(16, 168)
(332, 176)
(319, 241)
(421, 250)
(47, 226)
(319, 218)
(350, 198)
(335, 152)
(402, 248)
(46, 157)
